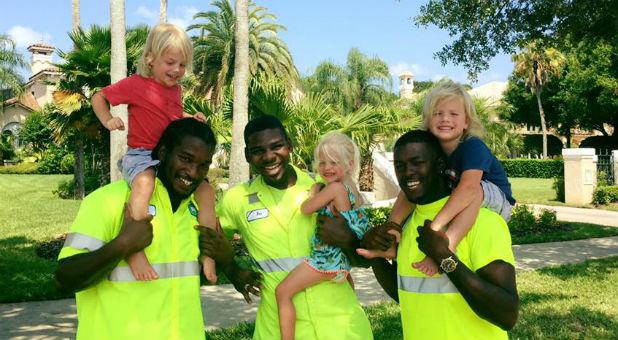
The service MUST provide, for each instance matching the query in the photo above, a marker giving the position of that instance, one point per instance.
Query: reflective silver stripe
(253, 198)
(164, 270)
(426, 285)
(284, 264)
(81, 241)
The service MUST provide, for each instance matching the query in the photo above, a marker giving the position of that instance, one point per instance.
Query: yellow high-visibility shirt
(431, 307)
(119, 307)
(278, 237)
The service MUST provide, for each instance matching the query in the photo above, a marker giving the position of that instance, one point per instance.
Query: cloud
(26, 36)
(183, 16)
(148, 13)
(403, 66)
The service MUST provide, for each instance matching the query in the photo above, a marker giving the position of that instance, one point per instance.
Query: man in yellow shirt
(111, 304)
(475, 296)
(266, 212)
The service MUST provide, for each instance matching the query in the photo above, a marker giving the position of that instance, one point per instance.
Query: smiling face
(184, 167)
(419, 173)
(169, 67)
(268, 151)
(331, 170)
(448, 122)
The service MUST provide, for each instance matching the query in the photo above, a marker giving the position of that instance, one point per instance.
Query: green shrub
(378, 216)
(605, 195)
(558, 186)
(65, 188)
(23, 168)
(522, 219)
(547, 219)
(533, 168)
(67, 164)
(51, 160)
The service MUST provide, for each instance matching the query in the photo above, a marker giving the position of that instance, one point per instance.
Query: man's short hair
(425, 137)
(178, 129)
(261, 123)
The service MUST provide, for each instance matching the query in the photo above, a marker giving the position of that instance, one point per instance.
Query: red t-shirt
(152, 107)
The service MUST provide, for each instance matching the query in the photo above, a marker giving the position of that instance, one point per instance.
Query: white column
(580, 175)
(615, 165)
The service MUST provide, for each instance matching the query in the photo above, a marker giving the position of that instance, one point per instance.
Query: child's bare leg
(205, 197)
(297, 280)
(457, 230)
(401, 209)
(141, 192)
(390, 253)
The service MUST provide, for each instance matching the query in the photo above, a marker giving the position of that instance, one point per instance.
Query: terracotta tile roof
(26, 100)
(41, 46)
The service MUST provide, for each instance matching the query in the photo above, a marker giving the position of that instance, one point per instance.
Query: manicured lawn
(534, 190)
(30, 213)
(576, 231)
(565, 302)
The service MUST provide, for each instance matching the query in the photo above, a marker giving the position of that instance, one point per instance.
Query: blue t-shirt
(474, 154)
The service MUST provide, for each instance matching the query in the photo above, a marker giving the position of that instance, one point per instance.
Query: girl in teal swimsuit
(338, 163)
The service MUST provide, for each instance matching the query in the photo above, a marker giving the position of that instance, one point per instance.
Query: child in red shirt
(154, 99)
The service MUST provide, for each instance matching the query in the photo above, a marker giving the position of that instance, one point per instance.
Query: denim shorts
(494, 199)
(135, 161)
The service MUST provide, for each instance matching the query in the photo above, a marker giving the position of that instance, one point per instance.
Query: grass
(564, 302)
(30, 214)
(575, 231)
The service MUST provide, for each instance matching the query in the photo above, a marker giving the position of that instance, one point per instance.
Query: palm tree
(87, 69)
(361, 81)
(118, 71)
(214, 48)
(10, 61)
(79, 189)
(163, 12)
(536, 64)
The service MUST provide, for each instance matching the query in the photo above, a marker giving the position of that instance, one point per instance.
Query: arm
(335, 232)
(81, 271)
(461, 197)
(401, 208)
(386, 274)
(198, 115)
(334, 192)
(491, 291)
(100, 106)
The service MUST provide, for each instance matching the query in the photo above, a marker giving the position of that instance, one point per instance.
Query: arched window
(13, 129)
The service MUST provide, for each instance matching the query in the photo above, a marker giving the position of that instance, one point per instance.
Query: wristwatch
(449, 264)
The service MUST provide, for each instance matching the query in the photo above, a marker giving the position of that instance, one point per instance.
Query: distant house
(36, 92)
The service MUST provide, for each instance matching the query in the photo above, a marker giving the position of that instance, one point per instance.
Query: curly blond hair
(160, 38)
(341, 149)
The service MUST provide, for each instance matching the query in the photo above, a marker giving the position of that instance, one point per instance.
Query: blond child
(337, 159)
(476, 175)
(154, 100)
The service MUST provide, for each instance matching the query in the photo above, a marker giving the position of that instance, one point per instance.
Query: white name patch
(257, 214)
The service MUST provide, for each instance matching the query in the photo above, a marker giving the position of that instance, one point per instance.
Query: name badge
(257, 214)
(152, 210)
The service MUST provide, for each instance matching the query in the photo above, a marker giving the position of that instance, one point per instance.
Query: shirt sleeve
(227, 215)
(94, 225)
(475, 155)
(121, 92)
(490, 240)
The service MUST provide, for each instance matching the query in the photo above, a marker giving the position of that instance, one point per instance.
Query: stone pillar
(615, 165)
(580, 175)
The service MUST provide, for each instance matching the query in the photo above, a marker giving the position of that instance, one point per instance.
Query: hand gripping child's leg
(142, 187)
(297, 280)
(205, 196)
(390, 253)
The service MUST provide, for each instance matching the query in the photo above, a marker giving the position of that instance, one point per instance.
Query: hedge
(533, 168)
(605, 195)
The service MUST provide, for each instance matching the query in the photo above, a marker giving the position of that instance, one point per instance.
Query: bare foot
(210, 270)
(141, 268)
(426, 266)
(391, 253)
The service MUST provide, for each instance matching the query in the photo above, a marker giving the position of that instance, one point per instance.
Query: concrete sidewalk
(223, 306)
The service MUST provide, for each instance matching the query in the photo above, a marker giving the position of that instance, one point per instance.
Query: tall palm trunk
(239, 169)
(163, 12)
(543, 126)
(118, 71)
(78, 150)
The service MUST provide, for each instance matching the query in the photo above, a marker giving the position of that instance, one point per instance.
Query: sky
(317, 30)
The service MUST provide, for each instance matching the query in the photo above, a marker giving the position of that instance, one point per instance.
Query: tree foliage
(214, 48)
(482, 29)
(10, 62)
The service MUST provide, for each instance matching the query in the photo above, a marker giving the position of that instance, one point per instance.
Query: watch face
(448, 264)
